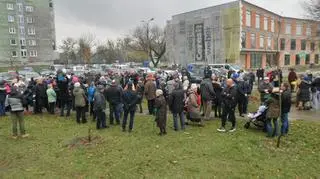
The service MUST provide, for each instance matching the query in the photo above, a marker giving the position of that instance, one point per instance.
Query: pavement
(311, 115)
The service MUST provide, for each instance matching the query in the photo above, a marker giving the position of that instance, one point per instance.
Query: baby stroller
(258, 118)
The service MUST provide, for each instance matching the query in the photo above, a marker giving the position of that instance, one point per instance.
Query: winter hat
(194, 87)
(159, 92)
(77, 85)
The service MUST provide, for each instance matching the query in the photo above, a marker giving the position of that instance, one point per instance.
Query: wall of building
(262, 56)
(43, 23)
(209, 35)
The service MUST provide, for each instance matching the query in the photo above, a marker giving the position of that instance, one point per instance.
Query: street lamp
(148, 32)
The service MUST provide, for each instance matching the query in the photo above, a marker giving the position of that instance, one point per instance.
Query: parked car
(30, 75)
(226, 66)
(47, 73)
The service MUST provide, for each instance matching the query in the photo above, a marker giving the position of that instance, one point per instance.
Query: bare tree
(151, 41)
(68, 48)
(312, 9)
(86, 43)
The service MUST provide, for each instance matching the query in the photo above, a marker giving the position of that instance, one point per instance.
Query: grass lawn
(195, 153)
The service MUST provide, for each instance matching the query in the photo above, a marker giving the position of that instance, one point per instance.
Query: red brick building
(268, 39)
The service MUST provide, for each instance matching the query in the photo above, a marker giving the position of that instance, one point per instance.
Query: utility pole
(147, 23)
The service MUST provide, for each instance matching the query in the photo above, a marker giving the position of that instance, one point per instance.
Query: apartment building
(241, 33)
(27, 32)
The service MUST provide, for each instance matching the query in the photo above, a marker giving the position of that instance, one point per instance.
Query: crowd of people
(188, 103)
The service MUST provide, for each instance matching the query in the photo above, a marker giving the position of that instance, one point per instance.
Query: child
(15, 100)
(52, 98)
(161, 112)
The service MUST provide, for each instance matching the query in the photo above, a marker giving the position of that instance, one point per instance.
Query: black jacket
(99, 102)
(218, 91)
(114, 95)
(130, 99)
(41, 91)
(286, 101)
(207, 91)
(229, 96)
(176, 101)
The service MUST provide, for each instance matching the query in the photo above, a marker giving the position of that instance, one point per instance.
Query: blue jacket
(91, 91)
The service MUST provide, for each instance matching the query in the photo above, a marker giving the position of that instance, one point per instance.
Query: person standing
(285, 107)
(140, 91)
(41, 97)
(150, 92)
(292, 78)
(241, 97)
(130, 100)
(316, 92)
(229, 96)
(52, 99)
(176, 104)
(161, 112)
(79, 102)
(218, 101)
(91, 93)
(273, 113)
(207, 95)
(3, 95)
(114, 97)
(15, 101)
(63, 86)
(263, 88)
(99, 107)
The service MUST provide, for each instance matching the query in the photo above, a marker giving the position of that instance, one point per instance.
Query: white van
(226, 66)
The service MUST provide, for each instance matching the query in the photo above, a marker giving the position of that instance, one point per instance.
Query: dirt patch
(83, 142)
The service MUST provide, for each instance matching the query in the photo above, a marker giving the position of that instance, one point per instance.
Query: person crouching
(161, 112)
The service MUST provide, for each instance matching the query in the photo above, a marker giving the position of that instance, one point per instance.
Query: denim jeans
(101, 119)
(285, 124)
(114, 111)
(272, 132)
(175, 121)
(63, 105)
(2, 109)
(125, 118)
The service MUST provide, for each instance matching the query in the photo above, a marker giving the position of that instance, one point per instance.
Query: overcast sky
(109, 19)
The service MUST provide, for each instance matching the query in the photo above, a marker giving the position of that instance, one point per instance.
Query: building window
(23, 53)
(261, 41)
(308, 31)
(29, 20)
(248, 18)
(282, 44)
(307, 59)
(297, 59)
(293, 44)
(31, 31)
(182, 27)
(256, 59)
(14, 53)
(10, 18)
(23, 42)
(20, 7)
(316, 59)
(50, 4)
(10, 6)
(303, 44)
(13, 42)
(269, 42)
(12, 30)
(265, 23)
(32, 42)
(272, 25)
(253, 40)
(21, 19)
(257, 21)
(299, 29)
(288, 28)
(29, 8)
(22, 30)
(312, 46)
(243, 39)
(286, 59)
(33, 53)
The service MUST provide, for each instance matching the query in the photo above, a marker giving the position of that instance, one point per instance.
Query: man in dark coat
(99, 107)
(130, 99)
(161, 112)
(41, 97)
(218, 100)
(176, 104)
(114, 97)
(229, 96)
(63, 84)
